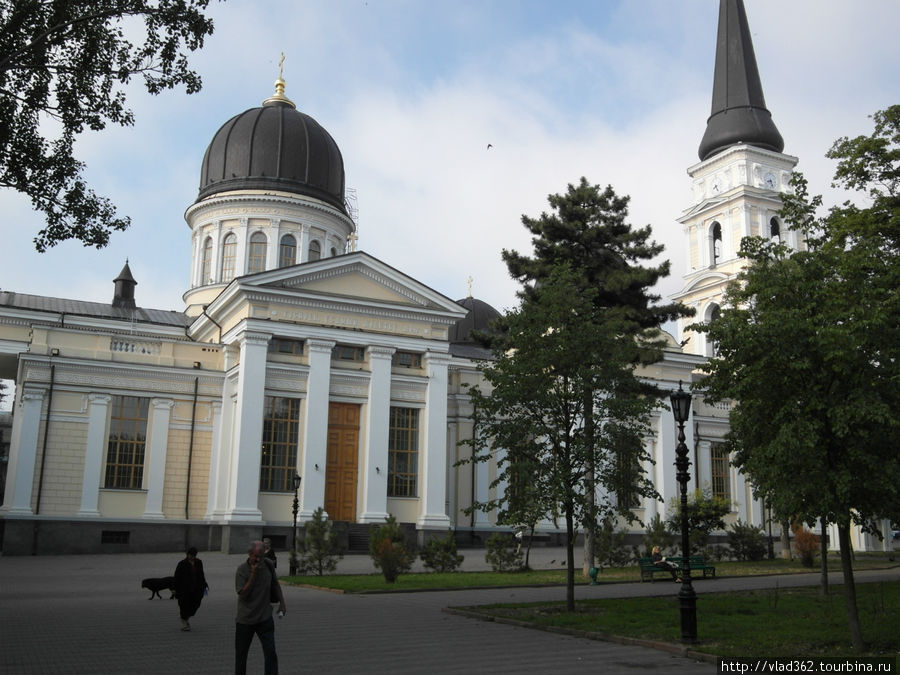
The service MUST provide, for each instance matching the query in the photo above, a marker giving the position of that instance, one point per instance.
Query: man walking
(256, 586)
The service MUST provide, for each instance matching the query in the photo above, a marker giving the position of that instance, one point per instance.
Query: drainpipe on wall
(40, 486)
(187, 493)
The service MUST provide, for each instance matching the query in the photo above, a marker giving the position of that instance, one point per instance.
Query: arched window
(206, 261)
(287, 251)
(229, 247)
(716, 237)
(712, 313)
(333, 251)
(775, 230)
(315, 250)
(256, 262)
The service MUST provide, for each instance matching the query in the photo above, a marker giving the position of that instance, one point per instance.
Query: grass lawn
(791, 623)
(369, 583)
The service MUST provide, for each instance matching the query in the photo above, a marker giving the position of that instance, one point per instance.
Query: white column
(217, 466)
(452, 472)
(215, 262)
(375, 457)
(704, 464)
(303, 252)
(240, 251)
(23, 453)
(98, 412)
(482, 486)
(243, 498)
(433, 471)
(226, 448)
(274, 234)
(157, 442)
(742, 494)
(315, 438)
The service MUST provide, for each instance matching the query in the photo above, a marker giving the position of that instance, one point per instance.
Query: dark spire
(739, 113)
(123, 296)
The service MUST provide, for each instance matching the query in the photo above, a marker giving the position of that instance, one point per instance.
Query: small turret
(123, 296)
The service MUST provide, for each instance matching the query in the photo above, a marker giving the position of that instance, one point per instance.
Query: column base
(376, 517)
(433, 521)
(243, 515)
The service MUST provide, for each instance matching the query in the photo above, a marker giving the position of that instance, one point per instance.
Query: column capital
(252, 338)
(99, 399)
(320, 346)
(438, 358)
(162, 403)
(380, 352)
(32, 393)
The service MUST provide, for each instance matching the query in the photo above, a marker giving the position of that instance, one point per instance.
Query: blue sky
(413, 91)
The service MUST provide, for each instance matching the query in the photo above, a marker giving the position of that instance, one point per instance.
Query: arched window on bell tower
(775, 230)
(712, 313)
(715, 243)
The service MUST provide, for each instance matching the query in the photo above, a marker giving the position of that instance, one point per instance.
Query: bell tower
(738, 182)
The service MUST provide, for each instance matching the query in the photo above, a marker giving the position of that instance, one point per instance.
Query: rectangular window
(127, 442)
(285, 346)
(281, 438)
(628, 472)
(407, 360)
(720, 471)
(403, 452)
(348, 353)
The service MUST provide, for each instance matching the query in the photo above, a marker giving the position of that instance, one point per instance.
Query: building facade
(297, 355)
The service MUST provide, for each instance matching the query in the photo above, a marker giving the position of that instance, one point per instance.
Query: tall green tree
(532, 415)
(807, 347)
(587, 229)
(64, 65)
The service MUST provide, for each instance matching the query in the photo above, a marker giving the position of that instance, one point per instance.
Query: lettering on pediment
(362, 323)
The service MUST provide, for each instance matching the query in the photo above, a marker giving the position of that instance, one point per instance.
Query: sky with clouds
(413, 91)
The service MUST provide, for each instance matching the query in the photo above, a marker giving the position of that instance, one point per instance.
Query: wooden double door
(342, 462)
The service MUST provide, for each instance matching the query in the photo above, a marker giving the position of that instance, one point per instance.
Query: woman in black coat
(190, 586)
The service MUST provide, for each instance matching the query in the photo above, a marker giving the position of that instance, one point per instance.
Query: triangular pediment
(353, 291)
(355, 278)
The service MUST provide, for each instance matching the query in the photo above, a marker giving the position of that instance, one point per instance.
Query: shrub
(503, 553)
(657, 534)
(440, 554)
(747, 541)
(387, 546)
(609, 545)
(705, 514)
(319, 551)
(806, 544)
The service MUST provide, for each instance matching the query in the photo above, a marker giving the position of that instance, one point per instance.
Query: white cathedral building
(135, 429)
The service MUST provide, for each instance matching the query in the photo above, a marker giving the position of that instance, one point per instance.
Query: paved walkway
(88, 614)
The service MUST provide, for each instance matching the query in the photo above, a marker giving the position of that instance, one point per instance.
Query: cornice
(294, 203)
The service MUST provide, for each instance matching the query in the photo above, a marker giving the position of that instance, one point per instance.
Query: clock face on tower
(769, 180)
(716, 185)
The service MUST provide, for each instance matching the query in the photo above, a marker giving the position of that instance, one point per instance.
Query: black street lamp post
(296, 480)
(681, 409)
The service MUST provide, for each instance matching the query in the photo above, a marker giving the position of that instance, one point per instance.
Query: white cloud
(413, 93)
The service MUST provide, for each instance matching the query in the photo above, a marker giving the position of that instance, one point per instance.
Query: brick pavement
(88, 614)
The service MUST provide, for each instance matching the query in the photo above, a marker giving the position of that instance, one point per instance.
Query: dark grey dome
(478, 319)
(274, 147)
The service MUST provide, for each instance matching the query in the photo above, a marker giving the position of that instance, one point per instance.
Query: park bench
(697, 563)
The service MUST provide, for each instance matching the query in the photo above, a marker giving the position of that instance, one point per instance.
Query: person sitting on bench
(660, 561)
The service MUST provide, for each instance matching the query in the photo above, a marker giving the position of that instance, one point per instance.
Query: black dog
(157, 585)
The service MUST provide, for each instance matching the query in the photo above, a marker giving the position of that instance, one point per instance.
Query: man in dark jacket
(190, 585)
(256, 586)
